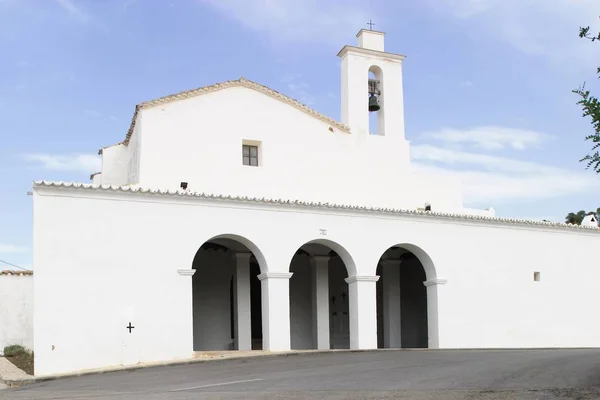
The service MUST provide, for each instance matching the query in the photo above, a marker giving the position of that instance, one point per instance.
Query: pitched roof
(242, 82)
(309, 204)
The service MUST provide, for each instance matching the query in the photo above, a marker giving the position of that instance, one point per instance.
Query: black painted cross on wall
(129, 327)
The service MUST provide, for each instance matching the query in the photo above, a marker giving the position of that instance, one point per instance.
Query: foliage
(14, 350)
(576, 218)
(591, 108)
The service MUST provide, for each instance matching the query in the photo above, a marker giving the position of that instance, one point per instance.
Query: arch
(377, 119)
(406, 303)
(319, 295)
(258, 254)
(340, 250)
(377, 71)
(226, 294)
(422, 255)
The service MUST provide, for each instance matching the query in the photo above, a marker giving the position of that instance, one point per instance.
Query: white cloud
(326, 22)
(79, 162)
(298, 89)
(300, 92)
(490, 180)
(535, 27)
(6, 248)
(490, 137)
(74, 11)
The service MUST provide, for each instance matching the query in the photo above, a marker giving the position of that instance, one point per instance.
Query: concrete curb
(13, 383)
(16, 383)
(44, 378)
(11, 375)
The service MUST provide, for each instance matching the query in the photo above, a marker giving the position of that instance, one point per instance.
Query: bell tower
(372, 83)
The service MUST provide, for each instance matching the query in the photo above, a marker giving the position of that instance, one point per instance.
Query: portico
(237, 308)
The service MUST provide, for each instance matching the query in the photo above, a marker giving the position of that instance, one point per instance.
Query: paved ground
(504, 374)
(10, 372)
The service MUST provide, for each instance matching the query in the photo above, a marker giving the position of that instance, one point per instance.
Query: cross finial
(370, 23)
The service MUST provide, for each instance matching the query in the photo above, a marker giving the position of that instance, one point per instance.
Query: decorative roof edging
(242, 82)
(11, 272)
(341, 207)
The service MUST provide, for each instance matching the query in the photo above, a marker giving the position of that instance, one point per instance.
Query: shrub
(14, 350)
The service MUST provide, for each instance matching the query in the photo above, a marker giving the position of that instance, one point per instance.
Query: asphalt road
(438, 374)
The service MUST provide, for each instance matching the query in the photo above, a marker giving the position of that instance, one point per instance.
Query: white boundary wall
(16, 309)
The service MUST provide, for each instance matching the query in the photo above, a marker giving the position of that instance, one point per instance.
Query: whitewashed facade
(234, 218)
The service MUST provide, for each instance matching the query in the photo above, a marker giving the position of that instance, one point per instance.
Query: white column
(391, 304)
(432, 312)
(320, 301)
(363, 312)
(275, 289)
(186, 341)
(241, 304)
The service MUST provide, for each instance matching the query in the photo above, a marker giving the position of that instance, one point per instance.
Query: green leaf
(590, 109)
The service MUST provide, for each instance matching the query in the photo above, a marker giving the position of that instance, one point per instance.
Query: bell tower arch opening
(371, 87)
(376, 103)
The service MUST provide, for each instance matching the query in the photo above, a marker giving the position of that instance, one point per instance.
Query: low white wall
(16, 309)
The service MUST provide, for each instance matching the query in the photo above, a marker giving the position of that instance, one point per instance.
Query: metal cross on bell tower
(370, 23)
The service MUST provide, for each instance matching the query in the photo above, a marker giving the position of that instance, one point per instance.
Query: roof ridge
(186, 94)
(166, 192)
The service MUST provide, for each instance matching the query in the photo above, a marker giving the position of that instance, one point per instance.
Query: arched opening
(402, 301)
(376, 95)
(319, 298)
(226, 295)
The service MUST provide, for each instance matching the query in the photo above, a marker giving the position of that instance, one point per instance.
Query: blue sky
(487, 85)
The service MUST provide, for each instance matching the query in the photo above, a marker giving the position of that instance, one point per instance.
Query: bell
(373, 103)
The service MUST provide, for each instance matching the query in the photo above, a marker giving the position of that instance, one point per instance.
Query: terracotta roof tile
(16, 272)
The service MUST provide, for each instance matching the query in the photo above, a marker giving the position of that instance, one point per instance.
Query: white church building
(232, 217)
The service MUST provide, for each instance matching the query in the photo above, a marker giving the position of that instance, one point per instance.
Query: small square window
(536, 276)
(250, 155)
